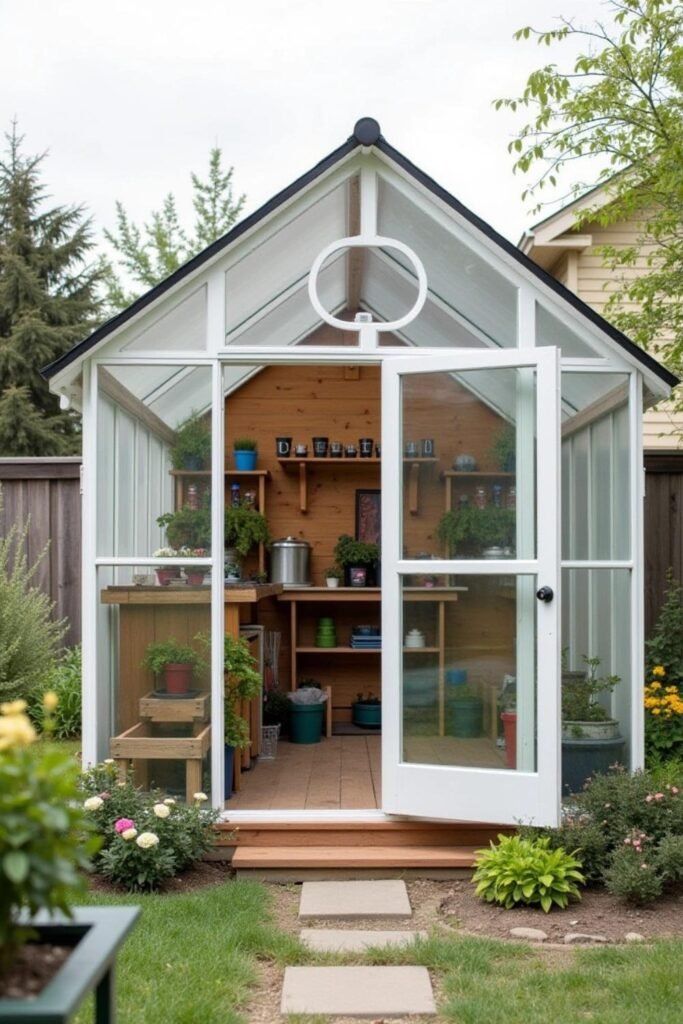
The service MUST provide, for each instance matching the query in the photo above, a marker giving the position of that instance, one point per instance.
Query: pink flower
(105, 795)
(659, 796)
(123, 824)
(674, 790)
(649, 798)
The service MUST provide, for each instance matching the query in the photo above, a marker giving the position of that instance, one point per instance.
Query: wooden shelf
(250, 594)
(367, 594)
(421, 650)
(302, 463)
(226, 472)
(485, 474)
(338, 650)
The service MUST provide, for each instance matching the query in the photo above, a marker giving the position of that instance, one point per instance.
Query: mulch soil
(30, 971)
(204, 874)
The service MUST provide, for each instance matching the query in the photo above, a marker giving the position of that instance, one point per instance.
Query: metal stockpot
(290, 561)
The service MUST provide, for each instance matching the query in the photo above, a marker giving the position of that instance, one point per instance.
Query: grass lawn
(193, 959)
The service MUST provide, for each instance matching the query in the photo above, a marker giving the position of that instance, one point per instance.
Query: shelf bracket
(303, 488)
(413, 488)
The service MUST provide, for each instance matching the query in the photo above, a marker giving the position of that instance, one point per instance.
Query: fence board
(49, 491)
(663, 528)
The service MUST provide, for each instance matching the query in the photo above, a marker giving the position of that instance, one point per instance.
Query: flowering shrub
(663, 716)
(628, 831)
(44, 839)
(146, 838)
(527, 871)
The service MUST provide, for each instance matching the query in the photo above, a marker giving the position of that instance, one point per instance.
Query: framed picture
(369, 516)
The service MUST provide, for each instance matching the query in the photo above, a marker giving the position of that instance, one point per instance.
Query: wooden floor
(341, 773)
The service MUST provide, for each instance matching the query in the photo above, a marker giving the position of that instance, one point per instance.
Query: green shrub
(45, 839)
(527, 871)
(29, 637)
(63, 679)
(633, 877)
(146, 837)
(192, 441)
(665, 646)
(669, 859)
(242, 682)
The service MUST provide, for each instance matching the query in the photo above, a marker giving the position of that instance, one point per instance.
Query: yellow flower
(16, 731)
(655, 686)
(656, 711)
(50, 700)
(659, 671)
(13, 707)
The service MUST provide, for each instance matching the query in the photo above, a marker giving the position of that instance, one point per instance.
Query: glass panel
(596, 506)
(456, 276)
(469, 671)
(182, 328)
(153, 459)
(551, 331)
(284, 259)
(159, 721)
(469, 488)
(596, 627)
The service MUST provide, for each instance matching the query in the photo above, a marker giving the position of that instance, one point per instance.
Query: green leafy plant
(29, 637)
(244, 529)
(171, 652)
(188, 527)
(632, 875)
(528, 872)
(242, 682)
(192, 443)
(244, 444)
(276, 707)
(469, 530)
(665, 646)
(45, 839)
(663, 701)
(503, 449)
(334, 573)
(349, 552)
(580, 692)
(65, 680)
(146, 838)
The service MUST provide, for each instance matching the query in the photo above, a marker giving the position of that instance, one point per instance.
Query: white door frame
(473, 794)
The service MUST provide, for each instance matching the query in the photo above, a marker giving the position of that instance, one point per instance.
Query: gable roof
(366, 133)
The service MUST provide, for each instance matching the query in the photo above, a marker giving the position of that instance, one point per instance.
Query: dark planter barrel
(581, 758)
(367, 716)
(306, 723)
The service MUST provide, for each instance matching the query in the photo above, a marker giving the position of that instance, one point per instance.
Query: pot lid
(290, 542)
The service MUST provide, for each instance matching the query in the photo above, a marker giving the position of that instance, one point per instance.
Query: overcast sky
(128, 95)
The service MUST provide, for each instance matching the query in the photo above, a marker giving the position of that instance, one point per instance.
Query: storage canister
(290, 560)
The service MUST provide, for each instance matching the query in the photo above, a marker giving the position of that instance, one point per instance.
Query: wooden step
(356, 834)
(344, 857)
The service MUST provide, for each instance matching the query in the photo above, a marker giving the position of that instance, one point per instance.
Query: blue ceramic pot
(245, 460)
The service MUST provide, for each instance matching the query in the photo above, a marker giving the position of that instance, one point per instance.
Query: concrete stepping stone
(373, 992)
(345, 940)
(352, 900)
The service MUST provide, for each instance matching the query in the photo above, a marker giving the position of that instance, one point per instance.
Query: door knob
(545, 594)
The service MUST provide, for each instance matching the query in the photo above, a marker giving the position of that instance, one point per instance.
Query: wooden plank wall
(48, 490)
(663, 528)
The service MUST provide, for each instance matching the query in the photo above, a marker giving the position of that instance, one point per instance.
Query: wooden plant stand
(139, 744)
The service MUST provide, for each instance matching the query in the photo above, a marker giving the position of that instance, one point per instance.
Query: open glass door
(470, 586)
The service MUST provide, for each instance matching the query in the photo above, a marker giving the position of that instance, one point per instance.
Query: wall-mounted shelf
(414, 465)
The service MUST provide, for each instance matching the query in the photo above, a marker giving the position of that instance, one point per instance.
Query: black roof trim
(187, 268)
(582, 307)
(369, 128)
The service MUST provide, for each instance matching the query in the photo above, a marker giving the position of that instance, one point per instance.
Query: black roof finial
(367, 131)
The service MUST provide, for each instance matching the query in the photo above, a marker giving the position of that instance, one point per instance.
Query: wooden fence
(49, 491)
(663, 528)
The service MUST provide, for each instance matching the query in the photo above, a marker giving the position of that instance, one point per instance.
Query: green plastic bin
(306, 723)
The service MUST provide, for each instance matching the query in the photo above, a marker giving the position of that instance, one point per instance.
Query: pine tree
(146, 255)
(48, 302)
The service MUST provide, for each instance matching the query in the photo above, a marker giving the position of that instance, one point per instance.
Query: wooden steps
(342, 858)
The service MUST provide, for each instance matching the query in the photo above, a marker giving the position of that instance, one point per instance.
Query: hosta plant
(529, 872)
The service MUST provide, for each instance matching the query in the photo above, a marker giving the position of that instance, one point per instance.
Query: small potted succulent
(366, 712)
(173, 664)
(333, 577)
(166, 574)
(245, 451)
(192, 447)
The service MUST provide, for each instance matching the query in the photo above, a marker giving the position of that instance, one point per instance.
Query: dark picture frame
(369, 516)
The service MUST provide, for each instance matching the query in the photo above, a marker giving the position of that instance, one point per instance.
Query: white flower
(161, 810)
(93, 803)
(147, 840)
(129, 833)
(169, 801)
(108, 760)
(200, 797)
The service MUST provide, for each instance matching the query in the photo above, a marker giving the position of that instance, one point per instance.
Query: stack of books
(366, 638)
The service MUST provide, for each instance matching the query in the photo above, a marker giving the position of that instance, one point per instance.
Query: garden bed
(34, 966)
(200, 876)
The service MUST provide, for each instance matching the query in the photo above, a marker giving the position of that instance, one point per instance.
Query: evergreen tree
(48, 302)
(146, 255)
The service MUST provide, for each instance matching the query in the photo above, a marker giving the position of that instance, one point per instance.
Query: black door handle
(545, 594)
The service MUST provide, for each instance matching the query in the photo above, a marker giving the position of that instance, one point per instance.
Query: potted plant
(590, 736)
(245, 452)
(464, 713)
(192, 447)
(359, 560)
(188, 527)
(175, 664)
(504, 449)
(244, 529)
(474, 531)
(366, 712)
(46, 842)
(242, 682)
(333, 575)
(194, 574)
(276, 708)
(166, 574)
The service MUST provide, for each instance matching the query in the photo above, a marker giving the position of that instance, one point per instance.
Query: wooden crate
(182, 709)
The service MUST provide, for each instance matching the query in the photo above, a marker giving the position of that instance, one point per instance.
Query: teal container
(465, 717)
(367, 716)
(306, 723)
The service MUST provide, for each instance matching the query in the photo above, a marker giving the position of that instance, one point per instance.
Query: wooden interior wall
(343, 404)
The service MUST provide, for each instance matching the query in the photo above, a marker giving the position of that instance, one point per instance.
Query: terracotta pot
(178, 677)
(195, 577)
(166, 576)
